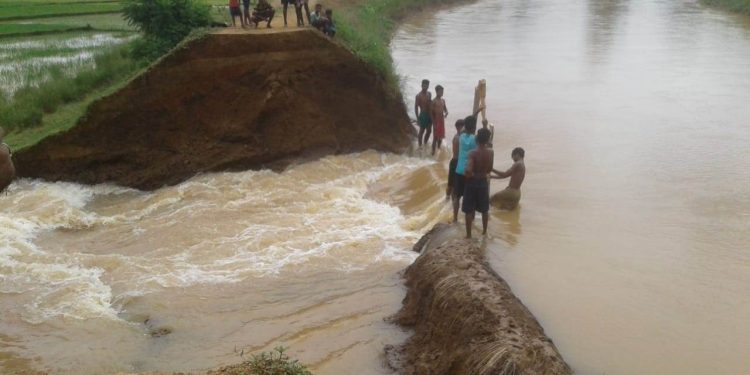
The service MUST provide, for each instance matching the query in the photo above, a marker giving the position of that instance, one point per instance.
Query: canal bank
(630, 244)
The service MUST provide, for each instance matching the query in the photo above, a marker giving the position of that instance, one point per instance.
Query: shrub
(164, 23)
(272, 363)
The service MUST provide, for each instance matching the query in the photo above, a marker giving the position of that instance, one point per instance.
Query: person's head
(517, 154)
(459, 125)
(318, 8)
(439, 91)
(425, 85)
(470, 124)
(483, 136)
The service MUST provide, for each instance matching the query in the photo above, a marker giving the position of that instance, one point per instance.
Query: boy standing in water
(466, 144)
(422, 105)
(477, 195)
(509, 197)
(438, 114)
(454, 160)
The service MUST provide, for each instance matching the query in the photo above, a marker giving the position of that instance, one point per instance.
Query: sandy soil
(228, 102)
(465, 318)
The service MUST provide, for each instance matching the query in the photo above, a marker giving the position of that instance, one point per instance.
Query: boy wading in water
(509, 197)
(466, 144)
(454, 160)
(422, 105)
(477, 194)
(439, 113)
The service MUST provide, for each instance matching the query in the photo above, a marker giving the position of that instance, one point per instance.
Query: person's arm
(505, 174)
(455, 147)
(445, 108)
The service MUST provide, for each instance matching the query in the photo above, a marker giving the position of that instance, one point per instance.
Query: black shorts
(289, 2)
(459, 186)
(235, 11)
(476, 196)
(452, 173)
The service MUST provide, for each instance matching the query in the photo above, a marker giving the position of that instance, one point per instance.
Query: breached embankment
(227, 102)
(465, 318)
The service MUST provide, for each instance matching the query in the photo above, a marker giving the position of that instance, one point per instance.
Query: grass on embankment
(739, 6)
(367, 26)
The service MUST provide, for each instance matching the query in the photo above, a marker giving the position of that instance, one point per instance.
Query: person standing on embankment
(466, 144)
(422, 106)
(7, 170)
(477, 193)
(439, 113)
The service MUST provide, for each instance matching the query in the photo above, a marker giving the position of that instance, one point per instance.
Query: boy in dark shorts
(422, 106)
(454, 160)
(246, 11)
(466, 144)
(477, 193)
(286, 4)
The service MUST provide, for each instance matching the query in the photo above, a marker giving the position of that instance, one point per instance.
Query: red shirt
(234, 3)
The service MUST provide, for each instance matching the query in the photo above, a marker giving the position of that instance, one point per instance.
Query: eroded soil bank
(227, 102)
(465, 318)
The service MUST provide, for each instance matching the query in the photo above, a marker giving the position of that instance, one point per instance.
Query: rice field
(31, 61)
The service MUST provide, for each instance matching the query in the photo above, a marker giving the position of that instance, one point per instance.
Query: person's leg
(485, 219)
(419, 135)
(242, 19)
(270, 18)
(434, 145)
(286, 5)
(469, 221)
(307, 11)
(427, 133)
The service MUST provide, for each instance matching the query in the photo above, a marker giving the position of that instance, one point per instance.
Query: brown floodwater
(632, 242)
(102, 279)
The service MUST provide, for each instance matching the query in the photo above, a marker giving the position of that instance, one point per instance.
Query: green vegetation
(164, 23)
(367, 29)
(30, 103)
(272, 363)
(739, 6)
(24, 11)
(14, 29)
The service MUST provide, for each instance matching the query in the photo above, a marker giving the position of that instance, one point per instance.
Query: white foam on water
(213, 229)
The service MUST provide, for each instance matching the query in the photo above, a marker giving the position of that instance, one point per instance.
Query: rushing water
(104, 279)
(632, 242)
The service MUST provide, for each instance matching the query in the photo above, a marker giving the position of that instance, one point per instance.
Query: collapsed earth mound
(466, 319)
(227, 102)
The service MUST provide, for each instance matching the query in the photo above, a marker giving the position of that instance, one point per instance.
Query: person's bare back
(518, 173)
(480, 162)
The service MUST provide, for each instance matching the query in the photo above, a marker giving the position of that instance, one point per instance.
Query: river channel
(632, 242)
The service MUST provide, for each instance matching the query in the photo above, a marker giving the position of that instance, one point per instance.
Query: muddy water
(104, 279)
(632, 244)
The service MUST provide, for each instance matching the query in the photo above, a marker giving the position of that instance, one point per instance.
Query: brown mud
(465, 318)
(227, 102)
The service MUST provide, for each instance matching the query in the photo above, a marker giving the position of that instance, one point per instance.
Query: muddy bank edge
(465, 317)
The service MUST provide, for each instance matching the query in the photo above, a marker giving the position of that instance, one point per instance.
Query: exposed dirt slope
(466, 319)
(227, 102)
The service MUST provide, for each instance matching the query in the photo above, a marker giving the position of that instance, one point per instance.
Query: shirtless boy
(7, 171)
(454, 160)
(477, 194)
(438, 114)
(422, 105)
(509, 197)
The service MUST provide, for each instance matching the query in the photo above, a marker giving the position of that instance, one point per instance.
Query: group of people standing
(264, 12)
(472, 164)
